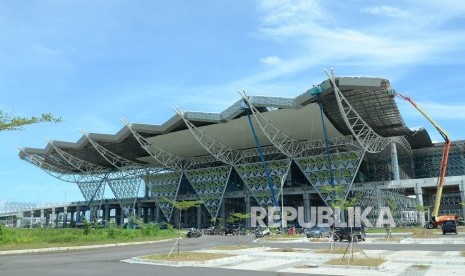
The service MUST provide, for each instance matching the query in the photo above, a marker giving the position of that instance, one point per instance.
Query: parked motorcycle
(261, 232)
(193, 233)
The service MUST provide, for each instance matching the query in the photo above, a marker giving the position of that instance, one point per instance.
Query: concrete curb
(137, 260)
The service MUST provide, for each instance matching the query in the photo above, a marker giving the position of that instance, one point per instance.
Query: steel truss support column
(123, 187)
(210, 185)
(255, 178)
(365, 135)
(126, 191)
(164, 185)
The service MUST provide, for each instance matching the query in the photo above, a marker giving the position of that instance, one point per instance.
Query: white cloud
(320, 35)
(386, 11)
(271, 60)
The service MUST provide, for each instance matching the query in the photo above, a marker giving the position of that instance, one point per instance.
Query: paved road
(106, 261)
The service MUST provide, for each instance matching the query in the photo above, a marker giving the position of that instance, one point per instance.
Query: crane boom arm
(444, 159)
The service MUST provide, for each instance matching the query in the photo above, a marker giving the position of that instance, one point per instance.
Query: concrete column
(32, 218)
(78, 214)
(53, 218)
(419, 199)
(176, 218)
(42, 215)
(223, 212)
(47, 220)
(139, 211)
(152, 213)
(157, 214)
(145, 214)
(147, 189)
(65, 217)
(106, 213)
(247, 210)
(462, 197)
(72, 220)
(185, 218)
(118, 216)
(19, 220)
(306, 207)
(394, 162)
(199, 217)
(412, 166)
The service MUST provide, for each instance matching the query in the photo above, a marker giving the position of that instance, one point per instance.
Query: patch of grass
(338, 250)
(279, 237)
(392, 238)
(186, 257)
(419, 267)
(14, 238)
(423, 234)
(357, 261)
(287, 249)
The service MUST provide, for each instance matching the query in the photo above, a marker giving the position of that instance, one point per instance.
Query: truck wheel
(430, 226)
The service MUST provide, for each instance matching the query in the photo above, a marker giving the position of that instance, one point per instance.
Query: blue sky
(93, 62)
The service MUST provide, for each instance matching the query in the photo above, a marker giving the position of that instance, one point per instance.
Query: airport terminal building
(346, 132)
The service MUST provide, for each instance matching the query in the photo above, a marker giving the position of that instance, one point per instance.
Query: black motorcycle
(261, 232)
(193, 233)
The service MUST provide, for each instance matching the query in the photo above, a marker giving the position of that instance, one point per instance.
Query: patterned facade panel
(317, 170)
(210, 184)
(92, 190)
(165, 186)
(254, 177)
(126, 190)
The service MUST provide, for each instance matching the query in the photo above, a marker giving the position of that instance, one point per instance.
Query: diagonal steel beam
(54, 170)
(115, 160)
(285, 143)
(77, 163)
(160, 155)
(217, 149)
(363, 133)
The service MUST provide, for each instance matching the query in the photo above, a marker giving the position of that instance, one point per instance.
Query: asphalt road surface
(107, 261)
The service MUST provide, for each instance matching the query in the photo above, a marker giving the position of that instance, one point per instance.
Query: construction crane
(436, 219)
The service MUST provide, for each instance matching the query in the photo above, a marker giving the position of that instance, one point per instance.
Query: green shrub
(111, 232)
(87, 227)
(150, 229)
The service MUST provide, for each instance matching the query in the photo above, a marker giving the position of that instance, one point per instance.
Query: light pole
(283, 178)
